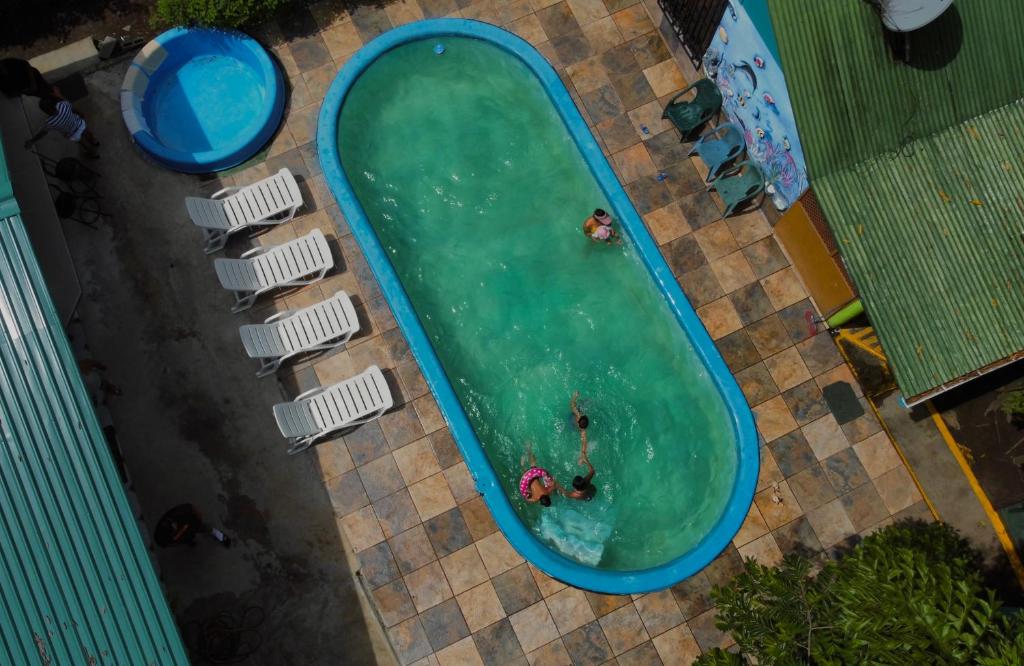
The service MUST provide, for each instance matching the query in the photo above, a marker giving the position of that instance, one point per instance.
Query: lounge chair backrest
(346, 403)
(302, 330)
(278, 265)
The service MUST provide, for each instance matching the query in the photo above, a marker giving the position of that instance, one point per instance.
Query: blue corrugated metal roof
(77, 584)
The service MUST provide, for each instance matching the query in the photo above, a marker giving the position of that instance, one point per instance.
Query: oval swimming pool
(465, 177)
(199, 100)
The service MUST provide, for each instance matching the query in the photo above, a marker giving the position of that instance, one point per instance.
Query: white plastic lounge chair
(294, 264)
(322, 326)
(343, 406)
(271, 201)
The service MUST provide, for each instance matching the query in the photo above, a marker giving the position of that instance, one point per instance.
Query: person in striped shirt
(63, 119)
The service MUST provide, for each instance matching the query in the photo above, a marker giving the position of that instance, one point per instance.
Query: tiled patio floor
(446, 583)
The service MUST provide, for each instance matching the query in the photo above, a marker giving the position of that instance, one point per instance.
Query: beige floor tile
(634, 163)
(840, 373)
(825, 436)
(512, 10)
(362, 529)
(784, 288)
(659, 611)
(569, 609)
(545, 583)
(534, 627)
(787, 369)
(587, 11)
(720, 318)
(483, 10)
(649, 116)
(432, 496)
(677, 647)
(342, 39)
(897, 489)
(464, 569)
(830, 523)
(417, 461)
(774, 418)
(334, 368)
(428, 586)
(480, 606)
(769, 473)
(461, 482)
(552, 654)
(498, 554)
(877, 454)
(667, 224)
(778, 505)
(334, 458)
(716, 240)
(430, 416)
(461, 653)
(529, 28)
(403, 11)
(763, 550)
(602, 34)
(588, 75)
(665, 77)
(624, 629)
(541, 4)
(753, 527)
(749, 227)
(733, 271)
(282, 143)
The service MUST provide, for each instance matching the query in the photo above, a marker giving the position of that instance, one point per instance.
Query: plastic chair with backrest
(739, 185)
(687, 116)
(719, 147)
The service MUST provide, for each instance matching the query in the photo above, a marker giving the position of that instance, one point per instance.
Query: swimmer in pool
(598, 227)
(582, 486)
(537, 484)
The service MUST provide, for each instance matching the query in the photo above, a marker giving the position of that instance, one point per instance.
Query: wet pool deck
(445, 582)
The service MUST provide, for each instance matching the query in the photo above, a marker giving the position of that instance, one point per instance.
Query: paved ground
(197, 426)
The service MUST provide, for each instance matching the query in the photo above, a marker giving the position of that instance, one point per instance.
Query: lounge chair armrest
(256, 251)
(308, 394)
(279, 315)
(225, 192)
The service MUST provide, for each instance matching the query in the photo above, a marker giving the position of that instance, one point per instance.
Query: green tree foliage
(911, 593)
(215, 13)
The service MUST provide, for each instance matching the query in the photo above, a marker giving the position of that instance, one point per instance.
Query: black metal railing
(694, 22)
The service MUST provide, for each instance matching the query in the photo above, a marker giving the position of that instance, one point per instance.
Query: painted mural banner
(755, 98)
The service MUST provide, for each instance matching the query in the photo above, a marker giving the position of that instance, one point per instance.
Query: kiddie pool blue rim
(532, 549)
(245, 146)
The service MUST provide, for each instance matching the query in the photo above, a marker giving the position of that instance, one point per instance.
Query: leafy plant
(214, 13)
(1013, 403)
(909, 594)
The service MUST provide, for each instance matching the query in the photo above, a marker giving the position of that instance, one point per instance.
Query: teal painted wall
(757, 10)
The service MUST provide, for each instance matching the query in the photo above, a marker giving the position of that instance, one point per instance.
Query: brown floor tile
(840, 373)
(666, 224)
(720, 318)
(784, 288)
(916, 511)
(863, 426)
(705, 632)
(684, 255)
(429, 414)
(370, 21)
(765, 257)
(480, 606)
(497, 554)
(666, 150)
(588, 75)
(552, 654)
(342, 39)
(665, 77)
(769, 474)
(516, 589)
(409, 640)
(461, 653)
(401, 12)
(529, 28)
(845, 471)
(812, 487)
(619, 60)
(401, 426)
(768, 335)
(677, 647)
(659, 612)
(377, 566)
(498, 644)
(648, 123)
(588, 645)
(393, 603)
(792, 453)
(749, 228)
(617, 5)
(756, 384)
(396, 513)
(380, 477)
(428, 587)
(830, 523)
(445, 449)
(633, 22)
(762, 550)
(624, 629)
(334, 458)
(897, 489)
(820, 353)
(805, 402)
(633, 163)
(464, 569)
(602, 604)
(865, 507)
(787, 369)
(362, 529)
(797, 318)
(778, 513)
(588, 11)
(411, 549)
(444, 624)
(701, 287)
(557, 20)
(722, 569)
(797, 537)
(461, 483)
(753, 527)
(572, 47)
(732, 271)
(448, 532)
(752, 304)
(774, 419)
(633, 89)
(644, 654)
(569, 609)
(618, 133)
(877, 455)
(602, 34)
(432, 496)
(346, 493)
(309, 53)
(545, 583)
(649, 50)
(603, 104)
(693, 595)
(416, 461)
(686, 184)
(737, 350)
(478, 518)
(825, 437)
(715, 239)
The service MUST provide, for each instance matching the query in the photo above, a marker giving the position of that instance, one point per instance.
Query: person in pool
(598, 227)
(537, 484)
(582, 486)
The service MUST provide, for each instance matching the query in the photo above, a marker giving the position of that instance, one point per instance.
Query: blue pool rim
(540, 555)
(245, 146)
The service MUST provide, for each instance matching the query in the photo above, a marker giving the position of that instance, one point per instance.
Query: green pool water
(477, 192)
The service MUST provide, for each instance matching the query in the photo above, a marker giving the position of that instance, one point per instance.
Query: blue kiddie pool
(199, 100)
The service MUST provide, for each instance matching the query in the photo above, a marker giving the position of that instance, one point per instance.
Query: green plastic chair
(687, 116)
(719, 147)
(739, 185)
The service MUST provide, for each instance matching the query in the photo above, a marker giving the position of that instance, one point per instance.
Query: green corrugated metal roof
(77, 584)
(921, 177)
